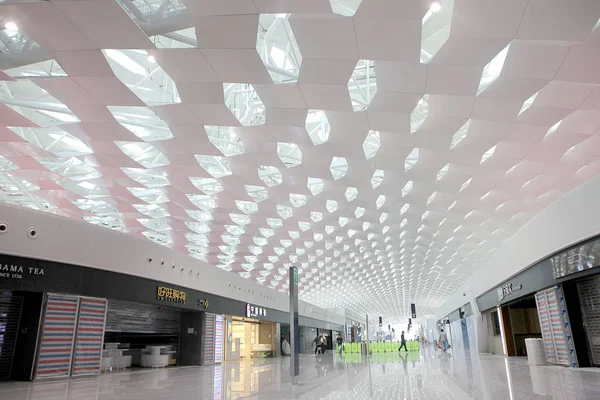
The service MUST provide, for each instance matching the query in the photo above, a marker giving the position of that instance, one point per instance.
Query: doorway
(590, 309)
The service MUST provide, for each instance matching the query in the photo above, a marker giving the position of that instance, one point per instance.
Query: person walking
(443, 340)
(281, 340)
(403, 343)
(317, 341)
(340, 342)
(323, 343)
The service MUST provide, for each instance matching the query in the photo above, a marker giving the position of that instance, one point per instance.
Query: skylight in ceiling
(271, 176)
(143, 76)
(225, 140)
(198, 227)
(153, 197)
(168, 23)
(87, 189)
(157, 225)
(528, 103)
(10, 183)
(202, 201)
(377, 178)
(144, 154)
(257, 193)
(553, 129)
(331, 205)
(98, 208)
(316, 216)
(411, 160)
(284, 212)
(317, 126)
(346, 8)
(152, 10)
(147, 177)
(72, 168)
(338, 167)
(35, 104)
(315, 185)
(199, 215)
(142, 122)
(460, 134)
(442, 172)
(274, 223)
(290, 154)
(42, 69)
(435, 30)
(106, 222)
(407, 188)
(216, 166)
(53, 140)
(247, 207)
(362, 85)
(244, 103)
(158, 237)
(277, 47)
(7, 165)
(419, 114)
(359, 212)
(298, 200)
(351, 194)
(371, 144)
(208, 186)
(179, 39)
(492, 70)
(486, 156)
(15, 42)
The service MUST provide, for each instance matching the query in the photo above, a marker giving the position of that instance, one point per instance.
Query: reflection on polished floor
(428, 375)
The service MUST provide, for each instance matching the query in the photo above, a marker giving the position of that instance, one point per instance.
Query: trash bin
(536, 353)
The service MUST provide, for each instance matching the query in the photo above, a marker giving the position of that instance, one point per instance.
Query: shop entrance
(250, 338)
(588, 289)
(523, 323)
(19, 322)
(144, 335)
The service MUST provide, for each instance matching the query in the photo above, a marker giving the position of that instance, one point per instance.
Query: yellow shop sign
(170, 294)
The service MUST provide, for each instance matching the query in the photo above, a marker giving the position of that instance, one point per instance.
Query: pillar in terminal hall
(294, 331)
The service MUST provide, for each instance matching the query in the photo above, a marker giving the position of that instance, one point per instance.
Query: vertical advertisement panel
(210, 321)
(58, 332)
(219, 339)
(566, 324)
(542, 307)
(90, 336)
(556, 327)
(556, 324)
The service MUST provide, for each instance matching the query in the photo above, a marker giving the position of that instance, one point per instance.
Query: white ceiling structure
(385, 147)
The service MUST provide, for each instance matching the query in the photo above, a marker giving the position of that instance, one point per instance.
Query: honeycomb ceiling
(386, 148)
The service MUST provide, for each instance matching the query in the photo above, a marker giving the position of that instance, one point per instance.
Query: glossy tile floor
(428, 375)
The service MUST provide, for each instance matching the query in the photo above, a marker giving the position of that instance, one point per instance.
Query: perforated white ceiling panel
(385, 147)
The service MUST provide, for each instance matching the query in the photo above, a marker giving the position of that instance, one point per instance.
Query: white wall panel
(571, 219)
(73, 242)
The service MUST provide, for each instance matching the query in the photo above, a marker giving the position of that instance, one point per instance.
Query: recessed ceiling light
(11, 26)
(151, 58)
(435, 7)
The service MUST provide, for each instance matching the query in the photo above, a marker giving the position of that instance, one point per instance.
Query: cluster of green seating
(380, 358)
(379, 347)
(352, 348)
(391, 347)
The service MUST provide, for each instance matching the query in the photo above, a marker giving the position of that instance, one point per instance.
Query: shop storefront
(249, 338)
(62, 320)
(555, 300)
(354, 331)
